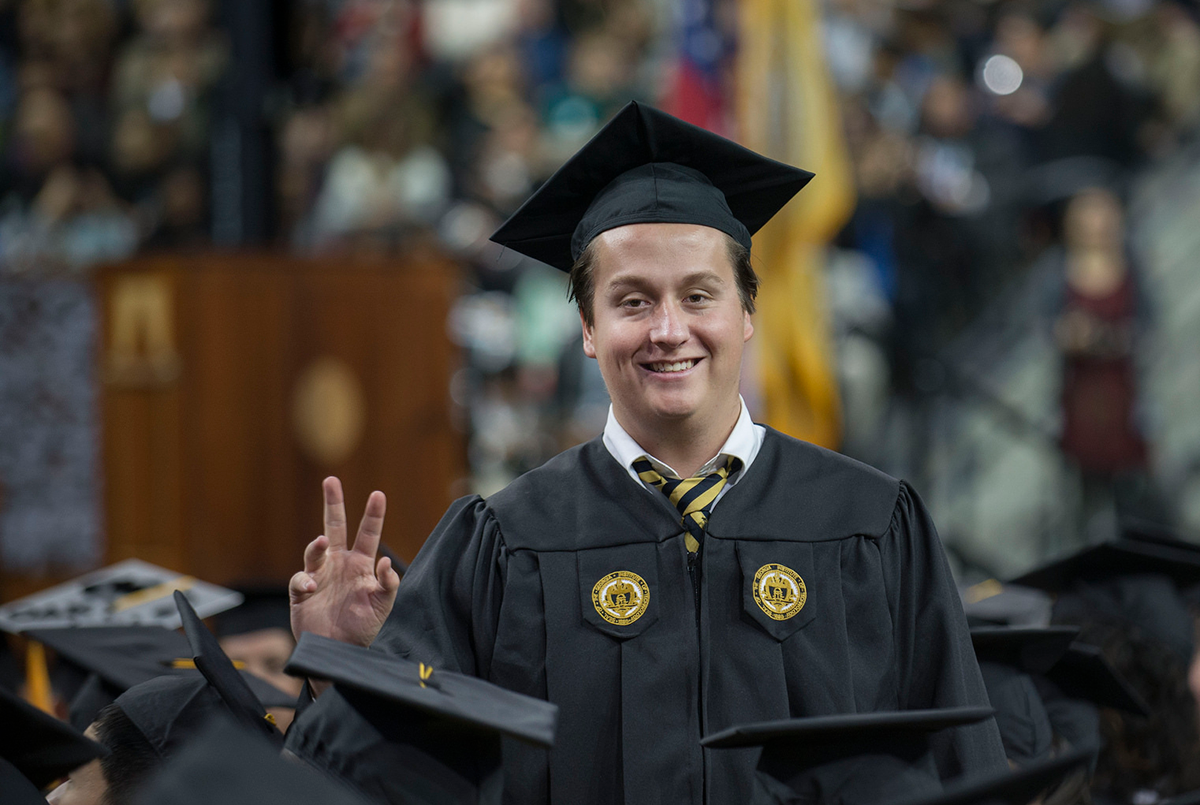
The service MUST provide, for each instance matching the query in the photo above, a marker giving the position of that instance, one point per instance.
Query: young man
(775, 580)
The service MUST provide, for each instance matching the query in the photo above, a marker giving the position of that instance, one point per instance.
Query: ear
(747, 326)
(589, 348)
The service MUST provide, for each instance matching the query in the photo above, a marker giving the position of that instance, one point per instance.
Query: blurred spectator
(1096, 330)
(436, 118)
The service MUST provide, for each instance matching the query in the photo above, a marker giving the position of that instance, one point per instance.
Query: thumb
(300, 587)
(389, 582)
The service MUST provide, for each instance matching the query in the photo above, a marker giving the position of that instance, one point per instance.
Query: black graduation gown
(503, 590)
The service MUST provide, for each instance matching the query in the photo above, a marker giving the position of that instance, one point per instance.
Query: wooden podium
(232, 384)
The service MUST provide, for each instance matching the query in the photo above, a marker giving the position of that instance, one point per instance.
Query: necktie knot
(692, 497)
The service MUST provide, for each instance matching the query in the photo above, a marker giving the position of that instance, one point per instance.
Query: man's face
(84, 786)
(669, 328)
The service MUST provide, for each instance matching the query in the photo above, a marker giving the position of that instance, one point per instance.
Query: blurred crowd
(992, 142)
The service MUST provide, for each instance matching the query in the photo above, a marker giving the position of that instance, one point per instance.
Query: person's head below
(144, 728)
(111, 780)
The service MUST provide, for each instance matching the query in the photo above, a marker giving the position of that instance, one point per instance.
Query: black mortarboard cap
(990, 602)
(1010, 788)
(263, 607)
(646, 166)
(1025, 727)
(1085, 673)
(403, 732)
(1029, 649)
(218, 669)
(38, 745)
(1008, 660)
(1121, 557)
(1125, 581)
(170, 710)
(116, 658)
(1041, 683)
(15, 788)
(847, 759)
(449, 696)
(226, 764)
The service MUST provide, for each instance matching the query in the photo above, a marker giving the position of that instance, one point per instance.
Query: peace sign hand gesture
(342, 592)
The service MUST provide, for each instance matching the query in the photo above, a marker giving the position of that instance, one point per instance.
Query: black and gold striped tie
(693, 497)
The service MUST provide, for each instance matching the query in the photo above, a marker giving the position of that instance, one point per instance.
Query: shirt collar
(743, 443)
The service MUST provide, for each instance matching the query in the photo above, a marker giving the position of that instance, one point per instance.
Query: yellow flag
(787, 110)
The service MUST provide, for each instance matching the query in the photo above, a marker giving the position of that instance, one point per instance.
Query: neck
(685, 445)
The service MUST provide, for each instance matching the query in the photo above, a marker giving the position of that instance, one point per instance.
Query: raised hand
(342, 592)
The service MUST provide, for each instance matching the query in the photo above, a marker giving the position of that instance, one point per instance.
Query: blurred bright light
(1002, 75)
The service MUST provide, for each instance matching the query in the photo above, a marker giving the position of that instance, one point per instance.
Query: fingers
(389, 582)
(314, 554)
(371, 528)
(300, 586)
(335, 513)
(389, 579)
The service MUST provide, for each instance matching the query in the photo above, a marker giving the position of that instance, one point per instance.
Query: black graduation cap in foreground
(226, 764)
(862, 758)
(218, 670)
(115, 658)
(1011, 788)
(15, 789)
(403, 732)
(646, 166)
(39, 746)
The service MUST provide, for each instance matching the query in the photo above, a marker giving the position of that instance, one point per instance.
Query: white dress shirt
(743, 443)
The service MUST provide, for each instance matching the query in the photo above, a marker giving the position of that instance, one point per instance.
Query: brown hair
(582, 290)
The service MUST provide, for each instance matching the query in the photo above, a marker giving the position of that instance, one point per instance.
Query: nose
(668, 327)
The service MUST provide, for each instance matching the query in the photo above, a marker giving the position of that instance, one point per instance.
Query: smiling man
(689, 570)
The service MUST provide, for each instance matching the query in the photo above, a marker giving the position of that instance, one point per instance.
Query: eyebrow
(638, 280)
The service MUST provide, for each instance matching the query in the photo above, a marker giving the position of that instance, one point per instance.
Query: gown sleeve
(935, 660)
(448, 604)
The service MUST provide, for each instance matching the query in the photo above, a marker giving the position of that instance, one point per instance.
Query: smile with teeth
(677, 366)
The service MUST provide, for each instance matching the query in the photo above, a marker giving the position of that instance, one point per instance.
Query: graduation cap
(402, 731)
(991, 602)
(1120, 557)
(646, 166)
(1031, 649)
(1010, 788)
(1008, 660)
(263, 607)
(1080, 671)
(15, 789)
(226, 764)
(848, 759)
(115, 658)
(1042, 683)
(1125, 581)
(1085, 673)
(220, 673)
(37, 746)
(129, 593)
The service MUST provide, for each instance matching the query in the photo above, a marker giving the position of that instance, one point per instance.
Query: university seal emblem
(779, 591)
(621, 597)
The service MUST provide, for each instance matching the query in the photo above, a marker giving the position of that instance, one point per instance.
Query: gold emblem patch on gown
(621, 597)
(779, 591)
